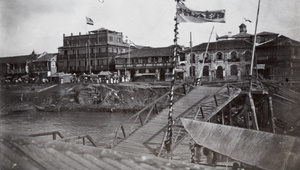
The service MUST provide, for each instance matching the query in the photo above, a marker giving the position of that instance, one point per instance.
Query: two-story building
(15, 67)
(44, 66)
(228, 58)
(279, 56)
(92, 52)
(154, 63)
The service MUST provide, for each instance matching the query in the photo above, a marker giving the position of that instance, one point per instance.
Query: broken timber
(256, 148)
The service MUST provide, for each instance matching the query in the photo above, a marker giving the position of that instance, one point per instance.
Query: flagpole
(254, 44)
(201, 70)
(168, 142)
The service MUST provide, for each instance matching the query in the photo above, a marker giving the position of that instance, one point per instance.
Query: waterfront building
(15, 67)
(147, 63)
(278, 57)
(229, 57)
(44, 66)
(92, 52)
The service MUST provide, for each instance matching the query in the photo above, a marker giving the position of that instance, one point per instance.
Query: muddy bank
(91, 97)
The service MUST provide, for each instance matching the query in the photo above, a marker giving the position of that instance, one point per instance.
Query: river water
(101, 126)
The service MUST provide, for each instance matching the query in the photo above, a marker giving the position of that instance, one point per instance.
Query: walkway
(148, 138)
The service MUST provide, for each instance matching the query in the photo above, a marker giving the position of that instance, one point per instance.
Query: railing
(55, 133)
(136, 121)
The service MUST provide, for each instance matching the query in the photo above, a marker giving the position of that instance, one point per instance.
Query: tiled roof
(17, 59)
(149, 52)
(280, 41)
(223, 44)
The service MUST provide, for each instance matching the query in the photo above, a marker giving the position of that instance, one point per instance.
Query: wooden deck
(33, 154)
(148, 138)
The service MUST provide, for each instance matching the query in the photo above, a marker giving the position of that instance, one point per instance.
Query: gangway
(149, 138)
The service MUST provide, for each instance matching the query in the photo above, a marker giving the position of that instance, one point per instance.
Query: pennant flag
(185, 14)
(89, 21)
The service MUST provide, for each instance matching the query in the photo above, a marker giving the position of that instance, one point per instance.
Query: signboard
(260, 66)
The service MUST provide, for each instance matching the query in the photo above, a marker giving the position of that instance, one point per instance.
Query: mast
(254, 44)
(201, 70)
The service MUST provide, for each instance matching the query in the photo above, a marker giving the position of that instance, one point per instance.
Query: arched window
(219, 56)
(234, 56)
(248, 56)
(205, 71)
(192, 58)
(233, 70)
(206, 57)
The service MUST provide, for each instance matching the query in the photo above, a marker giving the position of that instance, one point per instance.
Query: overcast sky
(39, 25)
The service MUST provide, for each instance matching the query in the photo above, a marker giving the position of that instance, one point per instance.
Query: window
(207, 58)
(248, 56)
(219, 56)
(109, 49)
(234, 57)
(66, 52)
(192, 58)
(111, 38)
(103, 50)
(205, 71)
(233, 70)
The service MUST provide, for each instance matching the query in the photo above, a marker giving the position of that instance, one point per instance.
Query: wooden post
(216, 100)
(223, 118)
(54, 135)
(202, 112)
(253, 113)
(271, 114)
(123, 130)
(230, 114)
(83, 140)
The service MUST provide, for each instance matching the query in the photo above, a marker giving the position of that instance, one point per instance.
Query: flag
(89, 21)
(185, 14)
(247, 20)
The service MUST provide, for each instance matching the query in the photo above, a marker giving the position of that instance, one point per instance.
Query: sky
(39, 25)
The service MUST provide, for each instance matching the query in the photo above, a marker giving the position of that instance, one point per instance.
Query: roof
(223, 44)
(17, 59)
(149, 52)
(45, 57)
(280, 41)
(103, 30)
(242, 35)
(266, 33)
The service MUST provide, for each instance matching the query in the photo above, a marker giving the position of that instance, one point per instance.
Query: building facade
(15, 67)
(44, 66)
(279, 57)
(147, 62)
(229, 57)
(92, 52)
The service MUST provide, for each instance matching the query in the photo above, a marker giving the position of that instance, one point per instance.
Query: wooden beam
(271, 114)
(254, 117)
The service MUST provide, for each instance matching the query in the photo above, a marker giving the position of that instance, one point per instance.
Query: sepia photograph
(139, 84)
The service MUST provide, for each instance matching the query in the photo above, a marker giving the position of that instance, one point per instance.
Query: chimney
(229, 34)
(79, 33)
